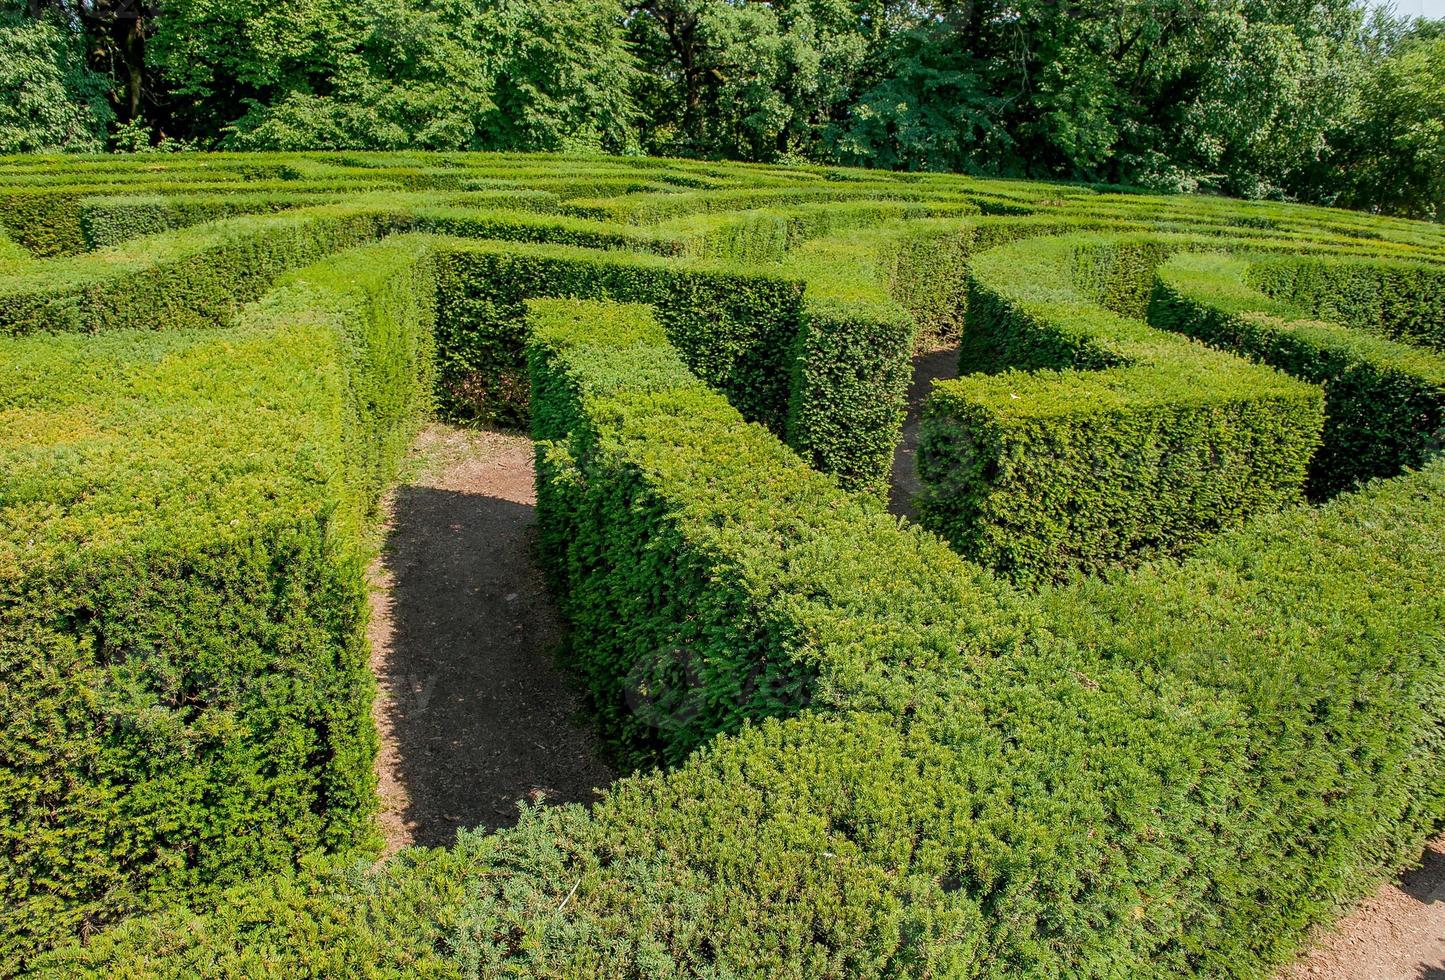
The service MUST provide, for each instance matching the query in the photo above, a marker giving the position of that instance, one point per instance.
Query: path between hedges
(473, 712)
(903, 481)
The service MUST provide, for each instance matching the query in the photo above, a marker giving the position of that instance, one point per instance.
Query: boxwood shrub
(1384, 400)
(182, 547)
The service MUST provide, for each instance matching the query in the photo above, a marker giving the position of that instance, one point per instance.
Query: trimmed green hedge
(885, 760)
(111, 220)
(830, 377)
(182, 593)
(1399, 300)
(715, 546)
(1124, 443)
(191, 278)
(985, 786)
(1384, 401)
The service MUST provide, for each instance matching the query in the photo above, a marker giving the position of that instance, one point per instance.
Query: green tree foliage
(1306, 99)
(49, 100)
(1392, 156)
(402, 74)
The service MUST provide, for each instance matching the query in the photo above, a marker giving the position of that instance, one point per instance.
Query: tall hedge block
(1385, 400)
(182, 592)
(1039, 475)
(1124, 443)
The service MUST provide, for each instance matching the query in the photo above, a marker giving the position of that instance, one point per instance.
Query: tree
(1392, 155)
(49, 99)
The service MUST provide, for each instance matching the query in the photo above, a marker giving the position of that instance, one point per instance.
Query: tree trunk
(129, 35)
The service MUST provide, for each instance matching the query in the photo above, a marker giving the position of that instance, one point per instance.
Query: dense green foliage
(1343, 107)
(1091, 802)
(875, 757)
(49, 101)
(1124, 442)
(1384, 400)
(187, 689)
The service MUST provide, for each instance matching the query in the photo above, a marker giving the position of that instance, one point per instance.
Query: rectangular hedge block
(186, 698)
(1038, 475)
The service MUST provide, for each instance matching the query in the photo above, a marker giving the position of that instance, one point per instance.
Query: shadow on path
(1427, 883)
(903, 481)
(473, 711)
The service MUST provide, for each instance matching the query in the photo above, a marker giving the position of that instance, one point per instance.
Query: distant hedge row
(1384, 399)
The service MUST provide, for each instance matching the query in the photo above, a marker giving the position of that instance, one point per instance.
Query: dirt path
(473, 713)
(903, 481)
(1396, 934)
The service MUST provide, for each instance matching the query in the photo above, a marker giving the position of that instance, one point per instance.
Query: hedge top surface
(1227, 282)
(143, 439)
(887, 761)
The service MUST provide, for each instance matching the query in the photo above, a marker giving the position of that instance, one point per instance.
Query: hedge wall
(829, 376)
(1399, 300)
(885, 761)
(1124, 443)
(1384, 401)
(187, 698)
(984, 786)
(196, 277)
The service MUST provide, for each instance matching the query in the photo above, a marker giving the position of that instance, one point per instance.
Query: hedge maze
(1158, 684)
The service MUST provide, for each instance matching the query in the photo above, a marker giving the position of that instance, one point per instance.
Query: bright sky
(1413, 8)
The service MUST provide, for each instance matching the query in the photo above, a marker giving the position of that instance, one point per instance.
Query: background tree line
(1310, 99)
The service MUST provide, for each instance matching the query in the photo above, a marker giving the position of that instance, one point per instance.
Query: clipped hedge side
(1384, 401)
(51, 221)
(985, 786)
(1399, 300)
(111, 220)
(1125, 442)
(1042, 475)
(829, 377)
(187, 698)
(727, 558)
(735, 328)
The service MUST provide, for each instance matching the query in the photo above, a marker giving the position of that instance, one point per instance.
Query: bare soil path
(1396, 934)
(903, 481)
(474, 714)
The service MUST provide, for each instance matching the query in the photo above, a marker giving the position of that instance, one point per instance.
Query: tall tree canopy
(1287, 98)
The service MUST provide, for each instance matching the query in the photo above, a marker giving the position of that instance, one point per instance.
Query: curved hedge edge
(183, 595)
(1384, 401)
(1403, 301)
(1126, 442)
